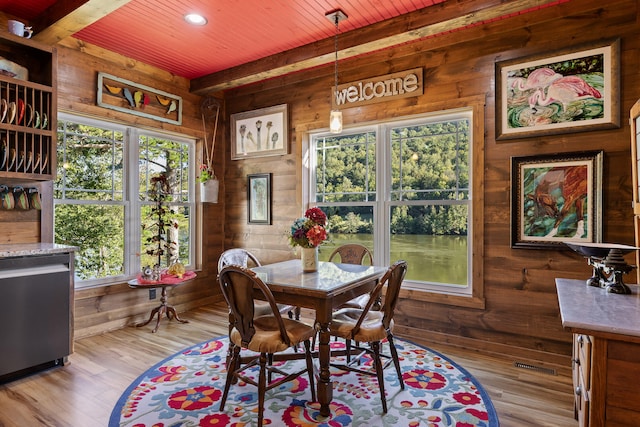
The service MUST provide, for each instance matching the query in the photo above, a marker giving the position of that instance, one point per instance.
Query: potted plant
(160, 244)
(209, 184)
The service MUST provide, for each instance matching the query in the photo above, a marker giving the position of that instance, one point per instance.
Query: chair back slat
(237, 285)
(392, 278)
(351, 253)
(396, 275)
(237, 256)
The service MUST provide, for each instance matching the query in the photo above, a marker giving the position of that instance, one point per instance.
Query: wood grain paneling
(113, 307)
(521, 316)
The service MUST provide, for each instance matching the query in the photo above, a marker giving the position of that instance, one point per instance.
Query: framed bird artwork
(126, 96)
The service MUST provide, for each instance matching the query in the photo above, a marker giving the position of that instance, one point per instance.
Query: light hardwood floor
(83, 393)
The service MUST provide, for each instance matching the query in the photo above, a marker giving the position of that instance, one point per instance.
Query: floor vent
(535, 368)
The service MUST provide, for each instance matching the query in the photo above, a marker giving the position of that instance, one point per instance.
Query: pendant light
(335, 117)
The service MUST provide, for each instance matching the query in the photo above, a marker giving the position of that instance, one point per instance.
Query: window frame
(131, 205)
(474, 298)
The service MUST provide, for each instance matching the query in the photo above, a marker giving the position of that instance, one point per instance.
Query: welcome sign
(377, 89)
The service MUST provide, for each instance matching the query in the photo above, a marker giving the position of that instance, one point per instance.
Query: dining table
(332, 285)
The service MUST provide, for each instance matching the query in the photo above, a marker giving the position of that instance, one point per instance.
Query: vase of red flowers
(309, 232)
(309, 259)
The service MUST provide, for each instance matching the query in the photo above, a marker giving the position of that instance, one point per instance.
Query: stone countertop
(31, 249)
(589, 308)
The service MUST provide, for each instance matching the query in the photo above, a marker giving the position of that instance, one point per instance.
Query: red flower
(193, 399)
(466, 398)
(215, 420)
(309, 231)
(316, 215)
(481, 415)
(316, 235)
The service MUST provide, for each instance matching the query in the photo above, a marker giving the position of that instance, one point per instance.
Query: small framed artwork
(571, 91)
(556, 198)
(259, 198)
(259, 133)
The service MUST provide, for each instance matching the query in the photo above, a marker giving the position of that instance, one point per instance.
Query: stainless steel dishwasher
(36, 330)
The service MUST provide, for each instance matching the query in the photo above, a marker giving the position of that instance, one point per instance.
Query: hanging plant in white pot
(209, 184)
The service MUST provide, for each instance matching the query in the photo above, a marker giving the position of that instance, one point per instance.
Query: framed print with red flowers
(259, 198)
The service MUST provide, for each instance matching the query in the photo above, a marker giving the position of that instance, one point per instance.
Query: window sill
(445, 299)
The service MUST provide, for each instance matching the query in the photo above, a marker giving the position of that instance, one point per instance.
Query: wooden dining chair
(371, 327)
(244, 258)
(353, 253)
(266, 335)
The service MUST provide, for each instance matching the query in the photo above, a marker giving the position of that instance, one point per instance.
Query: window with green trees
(102, 199)
(403, 190)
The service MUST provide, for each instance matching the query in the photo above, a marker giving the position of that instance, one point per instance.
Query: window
(403, 189)
(102, 203)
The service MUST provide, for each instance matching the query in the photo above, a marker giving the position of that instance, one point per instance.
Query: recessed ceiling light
(195, 19)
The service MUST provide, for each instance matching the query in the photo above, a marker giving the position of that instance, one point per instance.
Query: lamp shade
(335, 121)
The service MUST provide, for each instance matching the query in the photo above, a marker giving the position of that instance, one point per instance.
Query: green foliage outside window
(427, 197)
(92, 209)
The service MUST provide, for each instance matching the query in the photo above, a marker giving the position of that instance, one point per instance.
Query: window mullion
(382, 221)
(131, 200)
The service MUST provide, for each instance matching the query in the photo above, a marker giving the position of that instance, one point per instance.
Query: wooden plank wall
(112, 307)
(521, 318)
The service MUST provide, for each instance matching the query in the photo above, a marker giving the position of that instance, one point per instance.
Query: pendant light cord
(336, 51)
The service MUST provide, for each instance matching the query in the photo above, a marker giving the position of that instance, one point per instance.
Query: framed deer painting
(556, 198)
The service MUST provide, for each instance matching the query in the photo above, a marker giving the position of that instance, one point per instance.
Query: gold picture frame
(556, 198)
(573, 90)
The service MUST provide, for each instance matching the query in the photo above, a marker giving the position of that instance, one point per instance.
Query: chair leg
(396, 360)
(270, 363)
(375, 346)
(262, 387)
(312, 383)
(231, 369)
(230, 349)
(316, 326)
(348, 344)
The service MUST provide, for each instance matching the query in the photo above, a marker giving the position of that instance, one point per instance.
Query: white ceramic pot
(209, 191)
(309, 257)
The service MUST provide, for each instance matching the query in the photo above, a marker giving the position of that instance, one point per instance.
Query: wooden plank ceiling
(249, 40)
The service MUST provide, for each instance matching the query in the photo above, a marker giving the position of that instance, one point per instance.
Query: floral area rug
(185, 390)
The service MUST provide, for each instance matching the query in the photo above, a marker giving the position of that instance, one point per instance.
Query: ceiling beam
(66, 17)
(439, 19)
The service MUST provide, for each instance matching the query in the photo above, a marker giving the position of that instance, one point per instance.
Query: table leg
(153, 313)
(325, 387)
(171, 313)
(163, 308)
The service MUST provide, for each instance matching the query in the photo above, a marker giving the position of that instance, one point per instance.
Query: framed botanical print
(556, 198)
(260, 133)
(259, 198)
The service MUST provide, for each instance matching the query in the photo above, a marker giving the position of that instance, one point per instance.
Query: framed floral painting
(570, 91)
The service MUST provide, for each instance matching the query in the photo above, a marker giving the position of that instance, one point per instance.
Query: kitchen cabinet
(28, 109)
(606, 352)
